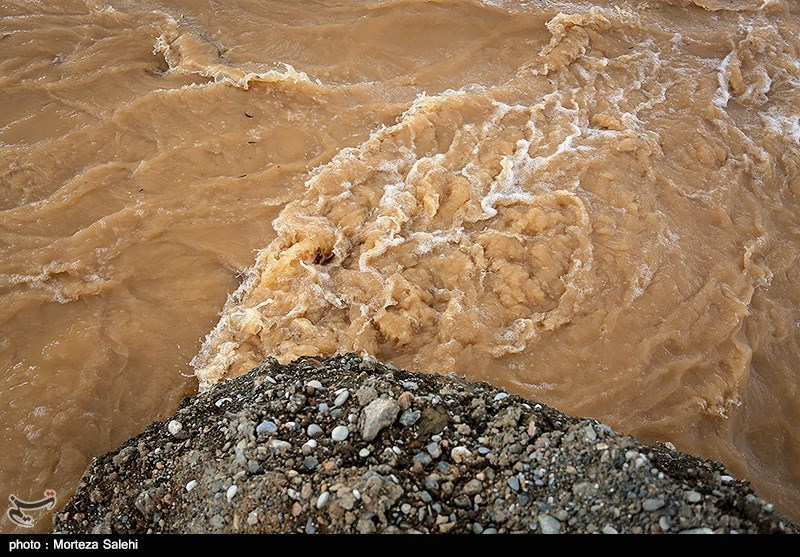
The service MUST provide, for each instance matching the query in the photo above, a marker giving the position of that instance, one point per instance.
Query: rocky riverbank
(350, 445)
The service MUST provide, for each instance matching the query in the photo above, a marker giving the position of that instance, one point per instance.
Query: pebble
(410, 385)
(422, 458)
(315, 385)
(513, 483)
(174, 427)
(460, 454)
(409, 417)
(279, 445)
(608, 529)
(405, 400)
(477, 528)
(252, 518)
(378, 414)
(591, 434)
(500, 396)
(322, 407)
(652, 504)
(693, 496)
(323, 499)
(726, 479)
(663, 523)
(363, 453)
(191, 485)
(314, 430)
(490, 531)
(311, 443)
(434, 450)
(473, 487)
(231, 493)
(266, 427)
(310, 463)
(340, 433)
(341, 397)
(548, 524)
(310, 527)
(697, 531)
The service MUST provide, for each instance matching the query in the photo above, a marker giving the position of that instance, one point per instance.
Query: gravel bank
(349, 445)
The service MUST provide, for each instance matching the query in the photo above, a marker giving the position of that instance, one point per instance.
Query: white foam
(723, 94)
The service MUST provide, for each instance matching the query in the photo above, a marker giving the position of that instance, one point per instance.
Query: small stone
(513, 483)
(663, 523)
(697, 531)
(500, 396)
(323, 499)
(366, 394)
(310, 527)
(405, 400)
(651, 505)
(175, 428)
(460, 454)
(231, 493)
(426, 497)
(591, 434)
(410, 385)
(405, 508)
(322, 407)
(191, 485)
(490, 531)
(310, 463)
(434, 450)
(726, 479)
(532, 428)
(266, 427)
(477, 528)
(341, 397)
(279, 445)
(422, 458)
(313, 430)
(483, 450)
(473, 487)
(363, 453)
(409, 417)
(693, 496)
(548, 524)
(378, 414)
(315, 385)
(340, 433)
(252, 518)
(608, 529)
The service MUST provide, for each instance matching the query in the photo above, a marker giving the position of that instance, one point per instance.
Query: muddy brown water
(596, 208)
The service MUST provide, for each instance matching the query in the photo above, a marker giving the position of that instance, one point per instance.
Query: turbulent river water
(595, 205)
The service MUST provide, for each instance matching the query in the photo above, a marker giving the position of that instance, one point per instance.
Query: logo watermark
(16, 512)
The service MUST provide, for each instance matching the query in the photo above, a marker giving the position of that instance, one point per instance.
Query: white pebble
(548, 524)
(174, 427)
(341, 397)
(314, 384)
(231, 493)
(608, 529)
(191, 485)
(323, 499)
(363, 453)
(340, 433)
